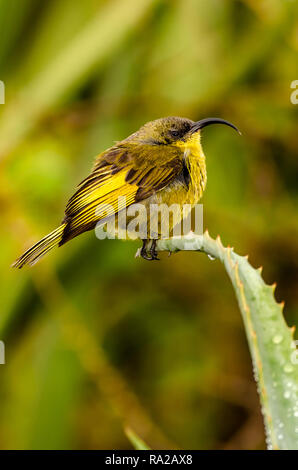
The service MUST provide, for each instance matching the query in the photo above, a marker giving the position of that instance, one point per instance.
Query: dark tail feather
(37, 251)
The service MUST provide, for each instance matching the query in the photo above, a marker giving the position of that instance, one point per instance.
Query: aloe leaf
(271, 343)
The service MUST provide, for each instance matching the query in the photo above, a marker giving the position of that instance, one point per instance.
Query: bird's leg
(152, 250)
(143, 252)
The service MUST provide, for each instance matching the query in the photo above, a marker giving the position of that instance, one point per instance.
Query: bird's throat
(196, 164)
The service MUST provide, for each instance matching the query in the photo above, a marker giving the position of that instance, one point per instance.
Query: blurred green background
(96, 340)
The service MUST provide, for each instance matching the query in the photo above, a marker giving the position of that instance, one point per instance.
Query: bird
(162, 162)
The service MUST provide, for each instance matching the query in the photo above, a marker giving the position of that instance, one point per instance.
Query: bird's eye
(174, 133)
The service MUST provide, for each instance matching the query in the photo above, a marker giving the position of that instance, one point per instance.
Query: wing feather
(132, 172)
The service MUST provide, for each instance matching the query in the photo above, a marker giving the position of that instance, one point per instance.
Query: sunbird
(162, 163)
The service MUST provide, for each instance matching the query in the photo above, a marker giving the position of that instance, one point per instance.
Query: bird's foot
(144, 254)
(153, 251)
(150, 254)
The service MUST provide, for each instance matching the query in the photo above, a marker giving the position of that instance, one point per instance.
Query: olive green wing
(121, 176)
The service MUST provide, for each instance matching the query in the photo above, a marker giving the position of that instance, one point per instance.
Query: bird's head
(175, 131)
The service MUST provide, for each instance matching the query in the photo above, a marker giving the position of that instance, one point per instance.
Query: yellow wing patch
(96, 202)
(131, 173)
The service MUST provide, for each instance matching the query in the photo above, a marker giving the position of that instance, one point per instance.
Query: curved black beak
(208, 121)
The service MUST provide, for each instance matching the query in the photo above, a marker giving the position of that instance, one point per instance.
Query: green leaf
(270, 340)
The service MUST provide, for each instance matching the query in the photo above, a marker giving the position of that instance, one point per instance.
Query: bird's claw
(153, 251)
(151, 254)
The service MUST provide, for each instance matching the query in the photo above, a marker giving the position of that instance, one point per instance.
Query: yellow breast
(196, 163)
